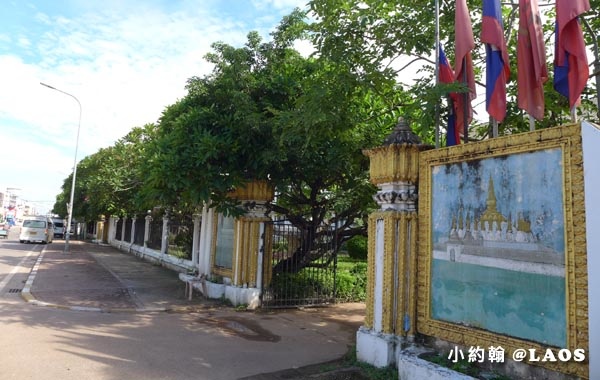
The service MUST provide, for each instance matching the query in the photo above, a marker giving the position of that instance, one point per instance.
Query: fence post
(148, 219)
(133, 230)
(391, 283)
(112, 236)
(122, 240)
(206, 239)
(197, 217)
(165, 234)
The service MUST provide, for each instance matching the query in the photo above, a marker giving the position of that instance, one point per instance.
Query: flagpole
(531, 123)
(574, 114)
(494, 127)
(437, 71)
(465, 105)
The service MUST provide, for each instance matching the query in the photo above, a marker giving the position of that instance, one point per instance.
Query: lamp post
(70, 205)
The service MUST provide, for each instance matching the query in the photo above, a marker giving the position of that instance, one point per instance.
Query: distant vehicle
(59, 228)
(4, 228)
(36, 228)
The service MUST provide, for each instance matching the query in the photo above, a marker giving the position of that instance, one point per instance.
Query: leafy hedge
(357, 247)
(350, 282)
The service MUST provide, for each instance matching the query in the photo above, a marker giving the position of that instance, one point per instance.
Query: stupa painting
(498, 245)
(496, 240)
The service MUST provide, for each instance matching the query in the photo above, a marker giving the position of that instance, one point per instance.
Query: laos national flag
(447, 76)
(571, 69)
(497, 68)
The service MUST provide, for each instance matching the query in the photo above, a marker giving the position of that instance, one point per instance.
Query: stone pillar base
(243, 296)
(410, 366)
(374, 348)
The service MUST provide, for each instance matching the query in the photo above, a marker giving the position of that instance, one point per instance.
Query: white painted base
(237, 296)
(410, 366)
(243, 296)
(374, 348)
(213, 290)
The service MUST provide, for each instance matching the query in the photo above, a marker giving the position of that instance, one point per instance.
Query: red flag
(463, 71)
(570, 62)
(532, 71)
(497, 68)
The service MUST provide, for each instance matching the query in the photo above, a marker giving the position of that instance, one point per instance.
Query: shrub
(350, 282)
(358, 247)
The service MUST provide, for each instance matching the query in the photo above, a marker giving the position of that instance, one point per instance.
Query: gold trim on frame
(568, 139)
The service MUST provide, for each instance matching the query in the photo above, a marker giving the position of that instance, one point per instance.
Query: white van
(36, 228)
(59, 228)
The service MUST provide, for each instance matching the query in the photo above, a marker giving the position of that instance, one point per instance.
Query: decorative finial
(402, 134)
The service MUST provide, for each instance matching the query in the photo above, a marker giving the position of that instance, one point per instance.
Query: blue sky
(124, 60)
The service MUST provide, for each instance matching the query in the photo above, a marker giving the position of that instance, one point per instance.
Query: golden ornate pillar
(392, 249)
(101, 232)
(252, 234)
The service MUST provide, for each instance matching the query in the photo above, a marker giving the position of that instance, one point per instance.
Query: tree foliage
(268, 112)
(108, 182)
(394, 40)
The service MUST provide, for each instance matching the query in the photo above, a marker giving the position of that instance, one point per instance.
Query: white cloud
(124, 62)
(279, 4)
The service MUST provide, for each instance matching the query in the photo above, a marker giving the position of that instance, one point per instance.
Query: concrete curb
(29, 298)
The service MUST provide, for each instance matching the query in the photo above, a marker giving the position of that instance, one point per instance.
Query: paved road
(65, 332)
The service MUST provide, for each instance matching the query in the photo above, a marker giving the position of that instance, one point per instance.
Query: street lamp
(70, 205)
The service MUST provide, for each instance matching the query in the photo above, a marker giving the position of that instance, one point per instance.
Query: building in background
(14, 208)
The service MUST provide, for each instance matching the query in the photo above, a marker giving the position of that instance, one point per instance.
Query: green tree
(108, 182)
(266, 112)
(374, 36)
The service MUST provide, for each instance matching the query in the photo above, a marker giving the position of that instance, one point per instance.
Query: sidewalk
(96, 277)
(100, 278)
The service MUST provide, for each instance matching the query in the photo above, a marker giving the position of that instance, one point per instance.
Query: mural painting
(498, 231)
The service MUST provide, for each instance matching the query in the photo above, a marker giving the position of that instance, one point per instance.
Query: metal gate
(300, 269)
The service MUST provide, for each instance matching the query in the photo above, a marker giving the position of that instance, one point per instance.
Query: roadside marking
(16, 268)
(29, 283)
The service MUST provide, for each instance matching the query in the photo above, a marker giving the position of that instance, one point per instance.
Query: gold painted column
(100, 230)
(250, 243)
(391, 283)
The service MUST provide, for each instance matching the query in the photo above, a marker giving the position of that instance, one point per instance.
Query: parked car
(59, 228)
(36, 228)
(4, 228)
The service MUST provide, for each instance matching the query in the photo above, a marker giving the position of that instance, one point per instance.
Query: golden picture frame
(496, 217)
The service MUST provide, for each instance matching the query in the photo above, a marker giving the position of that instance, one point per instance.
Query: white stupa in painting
(492, 239)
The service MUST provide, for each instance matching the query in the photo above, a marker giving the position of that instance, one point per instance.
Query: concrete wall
(591, 170)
